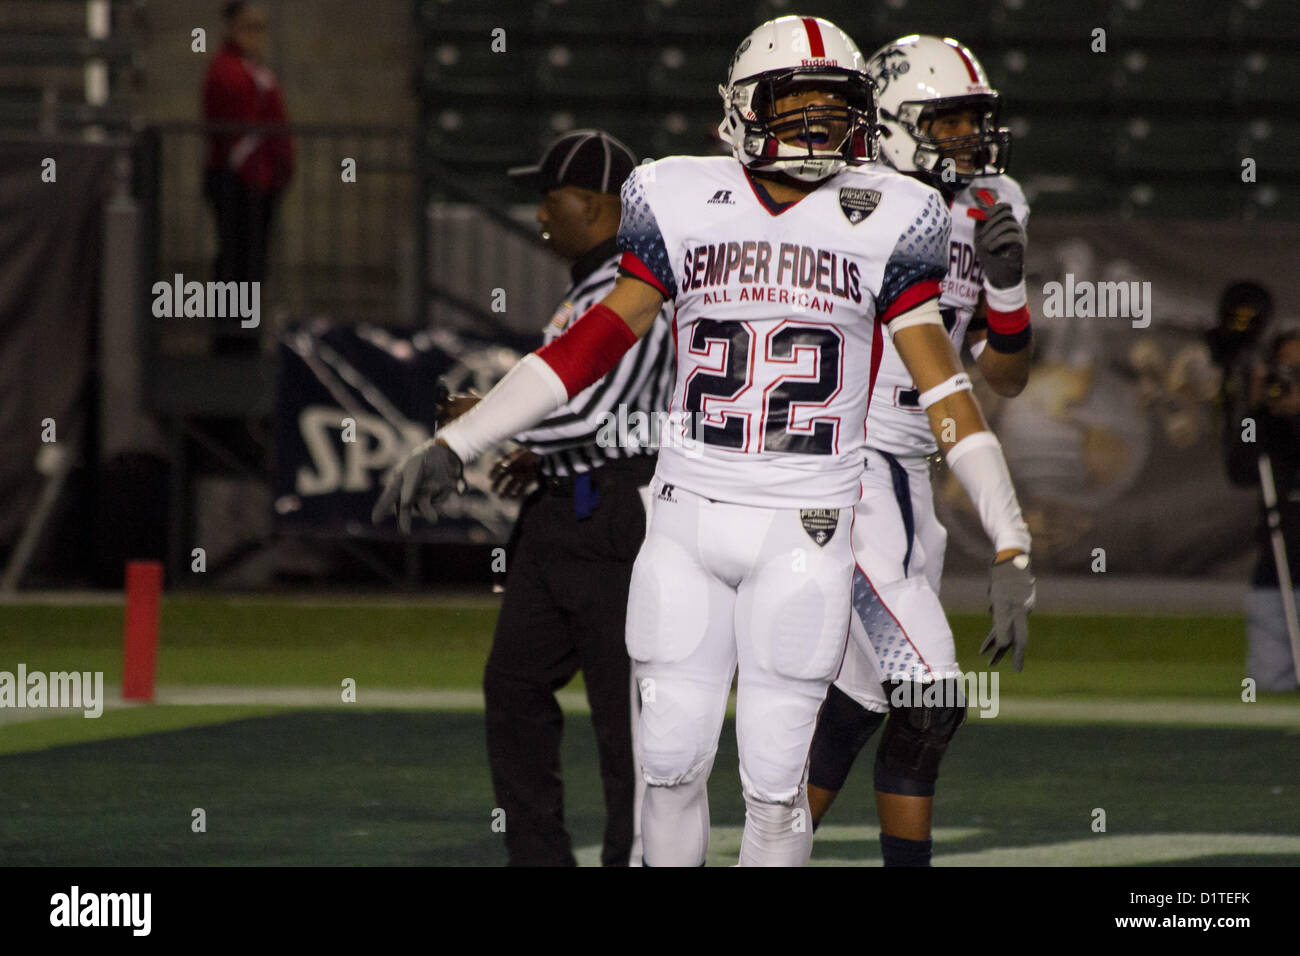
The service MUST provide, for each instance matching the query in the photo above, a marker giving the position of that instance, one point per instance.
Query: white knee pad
(667, 591)
(675, 823)
(679, 725)
(795, 610)
(777, 834)
(671, 766)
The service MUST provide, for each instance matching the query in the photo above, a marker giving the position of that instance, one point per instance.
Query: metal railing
(336, 247)
(473, 248)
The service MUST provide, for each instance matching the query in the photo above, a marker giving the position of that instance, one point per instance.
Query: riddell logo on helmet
(819, 61)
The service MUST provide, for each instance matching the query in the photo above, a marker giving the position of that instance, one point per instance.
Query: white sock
(776, 834)
(675, 823)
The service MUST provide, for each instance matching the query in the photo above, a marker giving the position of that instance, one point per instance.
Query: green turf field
(1139, 717)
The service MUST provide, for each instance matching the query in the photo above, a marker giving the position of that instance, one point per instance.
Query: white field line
(834, 846)
(1086, 594)
(1026, 710)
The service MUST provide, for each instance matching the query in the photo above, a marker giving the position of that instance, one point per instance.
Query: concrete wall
(338, 61)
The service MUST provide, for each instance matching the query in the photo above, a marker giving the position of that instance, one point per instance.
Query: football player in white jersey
(787, 266)
(938, 123)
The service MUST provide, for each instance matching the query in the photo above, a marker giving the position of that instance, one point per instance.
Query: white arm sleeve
(977, 462)
(529, 392)
(927, 313)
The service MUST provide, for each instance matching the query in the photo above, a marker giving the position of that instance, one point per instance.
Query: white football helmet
(783, 56)
(917, 78)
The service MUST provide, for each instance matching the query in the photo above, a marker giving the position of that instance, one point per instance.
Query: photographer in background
(1266, 393)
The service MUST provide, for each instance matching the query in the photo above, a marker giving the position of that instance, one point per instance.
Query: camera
(1281, 379)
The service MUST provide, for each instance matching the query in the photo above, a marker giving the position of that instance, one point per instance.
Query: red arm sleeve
(589, 348)
(910, 298)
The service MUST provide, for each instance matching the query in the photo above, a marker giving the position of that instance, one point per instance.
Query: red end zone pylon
(143, 597)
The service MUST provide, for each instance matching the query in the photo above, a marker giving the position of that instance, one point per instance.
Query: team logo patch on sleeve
(820, 523)
(858, 204)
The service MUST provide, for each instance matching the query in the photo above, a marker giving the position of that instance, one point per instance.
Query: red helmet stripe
(970, 67)
(815, 46)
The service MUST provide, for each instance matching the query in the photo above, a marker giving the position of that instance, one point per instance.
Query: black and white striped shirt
(566, 442)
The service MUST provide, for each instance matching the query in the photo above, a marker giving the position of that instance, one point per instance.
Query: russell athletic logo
(722, 197)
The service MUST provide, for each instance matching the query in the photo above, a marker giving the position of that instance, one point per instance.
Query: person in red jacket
(248, 168)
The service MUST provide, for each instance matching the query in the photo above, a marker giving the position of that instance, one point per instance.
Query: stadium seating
(1185, 88)
(1268, 78)
(692, 19)
(1152, 198)
(851, 16)
(1271, 202)
(1275, 147)
(1061, 78)
(465, 68)
(1066, 23)
(440, 20)
(497, 139)
(1268, 21)
(1049, 144)
(589, 18)
(688, 76)
(1071, 195)
(635, 128)
(609, 74)
(1167, 20)
(688, 134)
(1164, 144)
(1171, 76)
(967, 20)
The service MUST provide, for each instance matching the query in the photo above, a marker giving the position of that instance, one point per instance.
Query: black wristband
(1010, 343)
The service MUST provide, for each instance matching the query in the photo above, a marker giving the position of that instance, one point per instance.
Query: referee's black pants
(565, 609)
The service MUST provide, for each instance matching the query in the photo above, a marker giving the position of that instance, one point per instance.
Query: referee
(577, 535)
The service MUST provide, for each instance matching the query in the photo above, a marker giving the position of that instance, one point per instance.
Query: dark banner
(51, 197)
(351, 402)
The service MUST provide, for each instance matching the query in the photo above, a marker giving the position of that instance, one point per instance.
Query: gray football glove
(999, 242)
(426, 476)
(1011, 598)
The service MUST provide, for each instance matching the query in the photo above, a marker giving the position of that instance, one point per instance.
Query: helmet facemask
(832, 135)
(989, 146)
